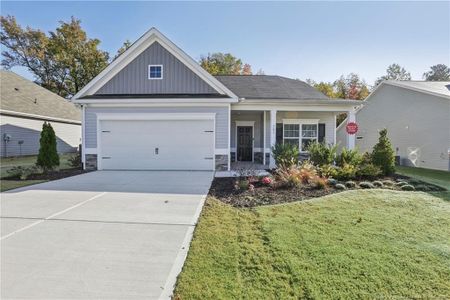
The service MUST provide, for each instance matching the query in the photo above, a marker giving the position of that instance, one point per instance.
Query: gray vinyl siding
(177, 78)
(221, 120)
(415, 122)
(29, 131)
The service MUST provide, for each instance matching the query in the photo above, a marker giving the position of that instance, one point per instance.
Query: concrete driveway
(102, 235)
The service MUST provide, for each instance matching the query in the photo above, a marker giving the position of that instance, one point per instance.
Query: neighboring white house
(417, 117)
(24, 107)
(155, 108)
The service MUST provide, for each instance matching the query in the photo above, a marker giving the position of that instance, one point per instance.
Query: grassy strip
(356, 244)
(6, 185)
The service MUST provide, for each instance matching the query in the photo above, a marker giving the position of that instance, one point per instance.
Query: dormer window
(155, 72)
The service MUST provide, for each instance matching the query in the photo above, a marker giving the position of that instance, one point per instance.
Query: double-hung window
(291, 134)
(300, 132)
(155, 72)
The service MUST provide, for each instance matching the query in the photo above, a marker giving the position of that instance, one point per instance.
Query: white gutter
(33, 116)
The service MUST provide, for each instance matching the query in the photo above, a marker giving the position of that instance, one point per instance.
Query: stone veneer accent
(91, 162)
(233, 156)
(258, 157)
(221, 162)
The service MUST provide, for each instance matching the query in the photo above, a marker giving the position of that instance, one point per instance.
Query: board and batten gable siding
(414, 120)
(220, 111)
(177, 78)
(68, 136)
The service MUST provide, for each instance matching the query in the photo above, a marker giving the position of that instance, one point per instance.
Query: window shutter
(279, 134)
(321, 132)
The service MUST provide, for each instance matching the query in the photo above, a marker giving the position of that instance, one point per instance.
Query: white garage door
(157, 145)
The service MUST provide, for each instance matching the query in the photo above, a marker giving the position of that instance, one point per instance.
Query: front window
(155, 72)
(300, 135)
(309, 135)
(291, 134)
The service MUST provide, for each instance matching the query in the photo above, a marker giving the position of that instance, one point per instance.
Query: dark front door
(244, 143)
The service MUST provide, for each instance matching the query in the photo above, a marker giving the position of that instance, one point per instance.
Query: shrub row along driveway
(99, 235)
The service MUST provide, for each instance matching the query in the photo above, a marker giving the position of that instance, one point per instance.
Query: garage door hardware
(209, 131)
(106, 131)
(106, 157)
(210, 158)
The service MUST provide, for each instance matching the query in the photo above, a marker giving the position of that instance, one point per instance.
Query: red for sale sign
(351, 128)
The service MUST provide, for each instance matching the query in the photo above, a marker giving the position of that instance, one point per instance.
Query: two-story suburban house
(155, 108)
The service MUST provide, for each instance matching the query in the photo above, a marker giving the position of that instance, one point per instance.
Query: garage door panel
(157, 145)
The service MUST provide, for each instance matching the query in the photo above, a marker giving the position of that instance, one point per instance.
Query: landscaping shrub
(285, 155)
(307, 172)
(368, 171)
(340, 186)
(75, 160)
(349, 156)
(366, 185)
(350, 184)
(383, 155)
(288, 177)
(378, 183)
(48, 156)
(320, 183)
(266, 180)
(322, 154)
(327, 170)
(22, 172)
(407, 187)
(243, 184)
(346, 172)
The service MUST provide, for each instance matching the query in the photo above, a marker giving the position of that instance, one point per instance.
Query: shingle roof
(20, 95)
(269, 87)
(434, 87)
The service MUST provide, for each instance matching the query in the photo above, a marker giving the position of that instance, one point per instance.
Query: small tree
(48, 156)
(383, 154)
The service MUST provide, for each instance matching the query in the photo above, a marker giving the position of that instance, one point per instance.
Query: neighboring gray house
(155, 108)
(24, 107)
(417, 117)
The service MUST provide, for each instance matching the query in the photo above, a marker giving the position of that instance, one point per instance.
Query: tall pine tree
(48, 156)
(383, 155)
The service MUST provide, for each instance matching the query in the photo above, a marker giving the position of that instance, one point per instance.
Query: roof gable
(436, 88)
(22, 96)
(140, 46)
(177, 77)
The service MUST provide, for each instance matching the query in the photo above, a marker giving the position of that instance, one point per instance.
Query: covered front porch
(253, 131)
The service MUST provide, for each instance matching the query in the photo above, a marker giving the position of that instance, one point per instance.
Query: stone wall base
(91, 162)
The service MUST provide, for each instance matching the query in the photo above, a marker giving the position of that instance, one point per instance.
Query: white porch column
(351, 117)
(273, 135)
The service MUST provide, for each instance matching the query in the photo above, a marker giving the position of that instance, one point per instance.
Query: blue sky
(318, 40)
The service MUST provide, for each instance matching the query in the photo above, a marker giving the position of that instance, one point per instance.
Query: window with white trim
(300, 133)
(291, 134)
(155, 72)
(309, 135)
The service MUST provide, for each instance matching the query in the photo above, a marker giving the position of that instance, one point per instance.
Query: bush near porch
(326, 172)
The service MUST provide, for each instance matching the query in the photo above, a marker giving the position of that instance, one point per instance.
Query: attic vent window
(155, 72)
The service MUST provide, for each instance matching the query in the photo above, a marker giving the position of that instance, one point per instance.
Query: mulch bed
(223, 190)
(52, 175)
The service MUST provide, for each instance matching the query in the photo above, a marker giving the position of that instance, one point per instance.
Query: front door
(244, 143)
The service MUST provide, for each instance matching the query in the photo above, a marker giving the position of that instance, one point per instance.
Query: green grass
(6, 185)
(351, 245)
(28, 161)
(437, 177)
(25, 161)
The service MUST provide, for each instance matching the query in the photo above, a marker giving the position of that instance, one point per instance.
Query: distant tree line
(66, 59)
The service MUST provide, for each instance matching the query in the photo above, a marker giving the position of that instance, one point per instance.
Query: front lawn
(356, 244)
(10, 181)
